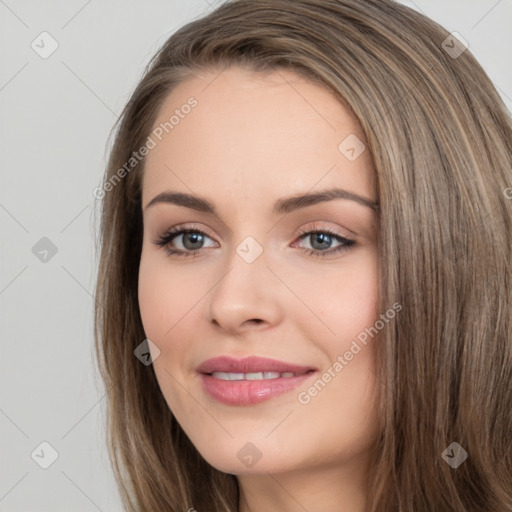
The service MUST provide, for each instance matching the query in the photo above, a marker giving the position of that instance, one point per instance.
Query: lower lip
(249, 392)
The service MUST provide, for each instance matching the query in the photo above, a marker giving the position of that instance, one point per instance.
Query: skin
(251, 140)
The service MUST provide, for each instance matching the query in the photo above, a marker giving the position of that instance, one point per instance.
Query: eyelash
(168, 237)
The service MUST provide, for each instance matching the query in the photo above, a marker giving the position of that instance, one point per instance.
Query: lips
(250, 380)
(251, 364)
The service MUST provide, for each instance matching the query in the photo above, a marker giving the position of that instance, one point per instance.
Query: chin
(239, 457)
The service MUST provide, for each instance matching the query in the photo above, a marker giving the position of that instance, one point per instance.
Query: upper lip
(251, 364)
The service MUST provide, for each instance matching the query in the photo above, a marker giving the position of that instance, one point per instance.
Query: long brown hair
(441, 142)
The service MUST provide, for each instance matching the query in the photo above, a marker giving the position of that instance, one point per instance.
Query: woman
(304, 285)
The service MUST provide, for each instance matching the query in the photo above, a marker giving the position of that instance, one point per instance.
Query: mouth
(252, 366)
(250, 380)
(254, 375)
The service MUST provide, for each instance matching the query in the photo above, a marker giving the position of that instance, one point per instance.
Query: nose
(247, 296)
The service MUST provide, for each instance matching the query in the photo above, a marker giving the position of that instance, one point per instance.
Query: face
(279, 289)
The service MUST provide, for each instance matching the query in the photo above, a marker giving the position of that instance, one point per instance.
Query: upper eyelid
(310, 226)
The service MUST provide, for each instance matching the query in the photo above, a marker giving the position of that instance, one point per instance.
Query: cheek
(168, 303)
(345, 302)
(356, 304)
(163, 305)
(160, 303)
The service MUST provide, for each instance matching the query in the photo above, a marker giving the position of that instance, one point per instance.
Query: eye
(192, 240)
(321, 240)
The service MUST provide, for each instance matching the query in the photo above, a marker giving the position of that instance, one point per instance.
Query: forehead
(254, 133)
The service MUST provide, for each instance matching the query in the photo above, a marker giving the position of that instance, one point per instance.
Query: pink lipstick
(250, 380)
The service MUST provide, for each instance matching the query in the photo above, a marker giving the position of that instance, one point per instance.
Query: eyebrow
(281, 206)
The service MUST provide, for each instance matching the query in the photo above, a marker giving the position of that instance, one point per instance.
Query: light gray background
(56, 115)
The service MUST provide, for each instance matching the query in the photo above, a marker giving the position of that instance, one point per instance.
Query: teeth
(235, 376)
(254, 376)
(251, 376)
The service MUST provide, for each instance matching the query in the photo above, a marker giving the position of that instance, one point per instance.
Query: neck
(326, 488)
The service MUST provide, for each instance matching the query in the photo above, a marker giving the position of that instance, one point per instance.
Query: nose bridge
(249, 249)
(242, 293)
(246, 268)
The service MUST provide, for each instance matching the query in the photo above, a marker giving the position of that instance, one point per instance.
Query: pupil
(196, 238)
(321, 237)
